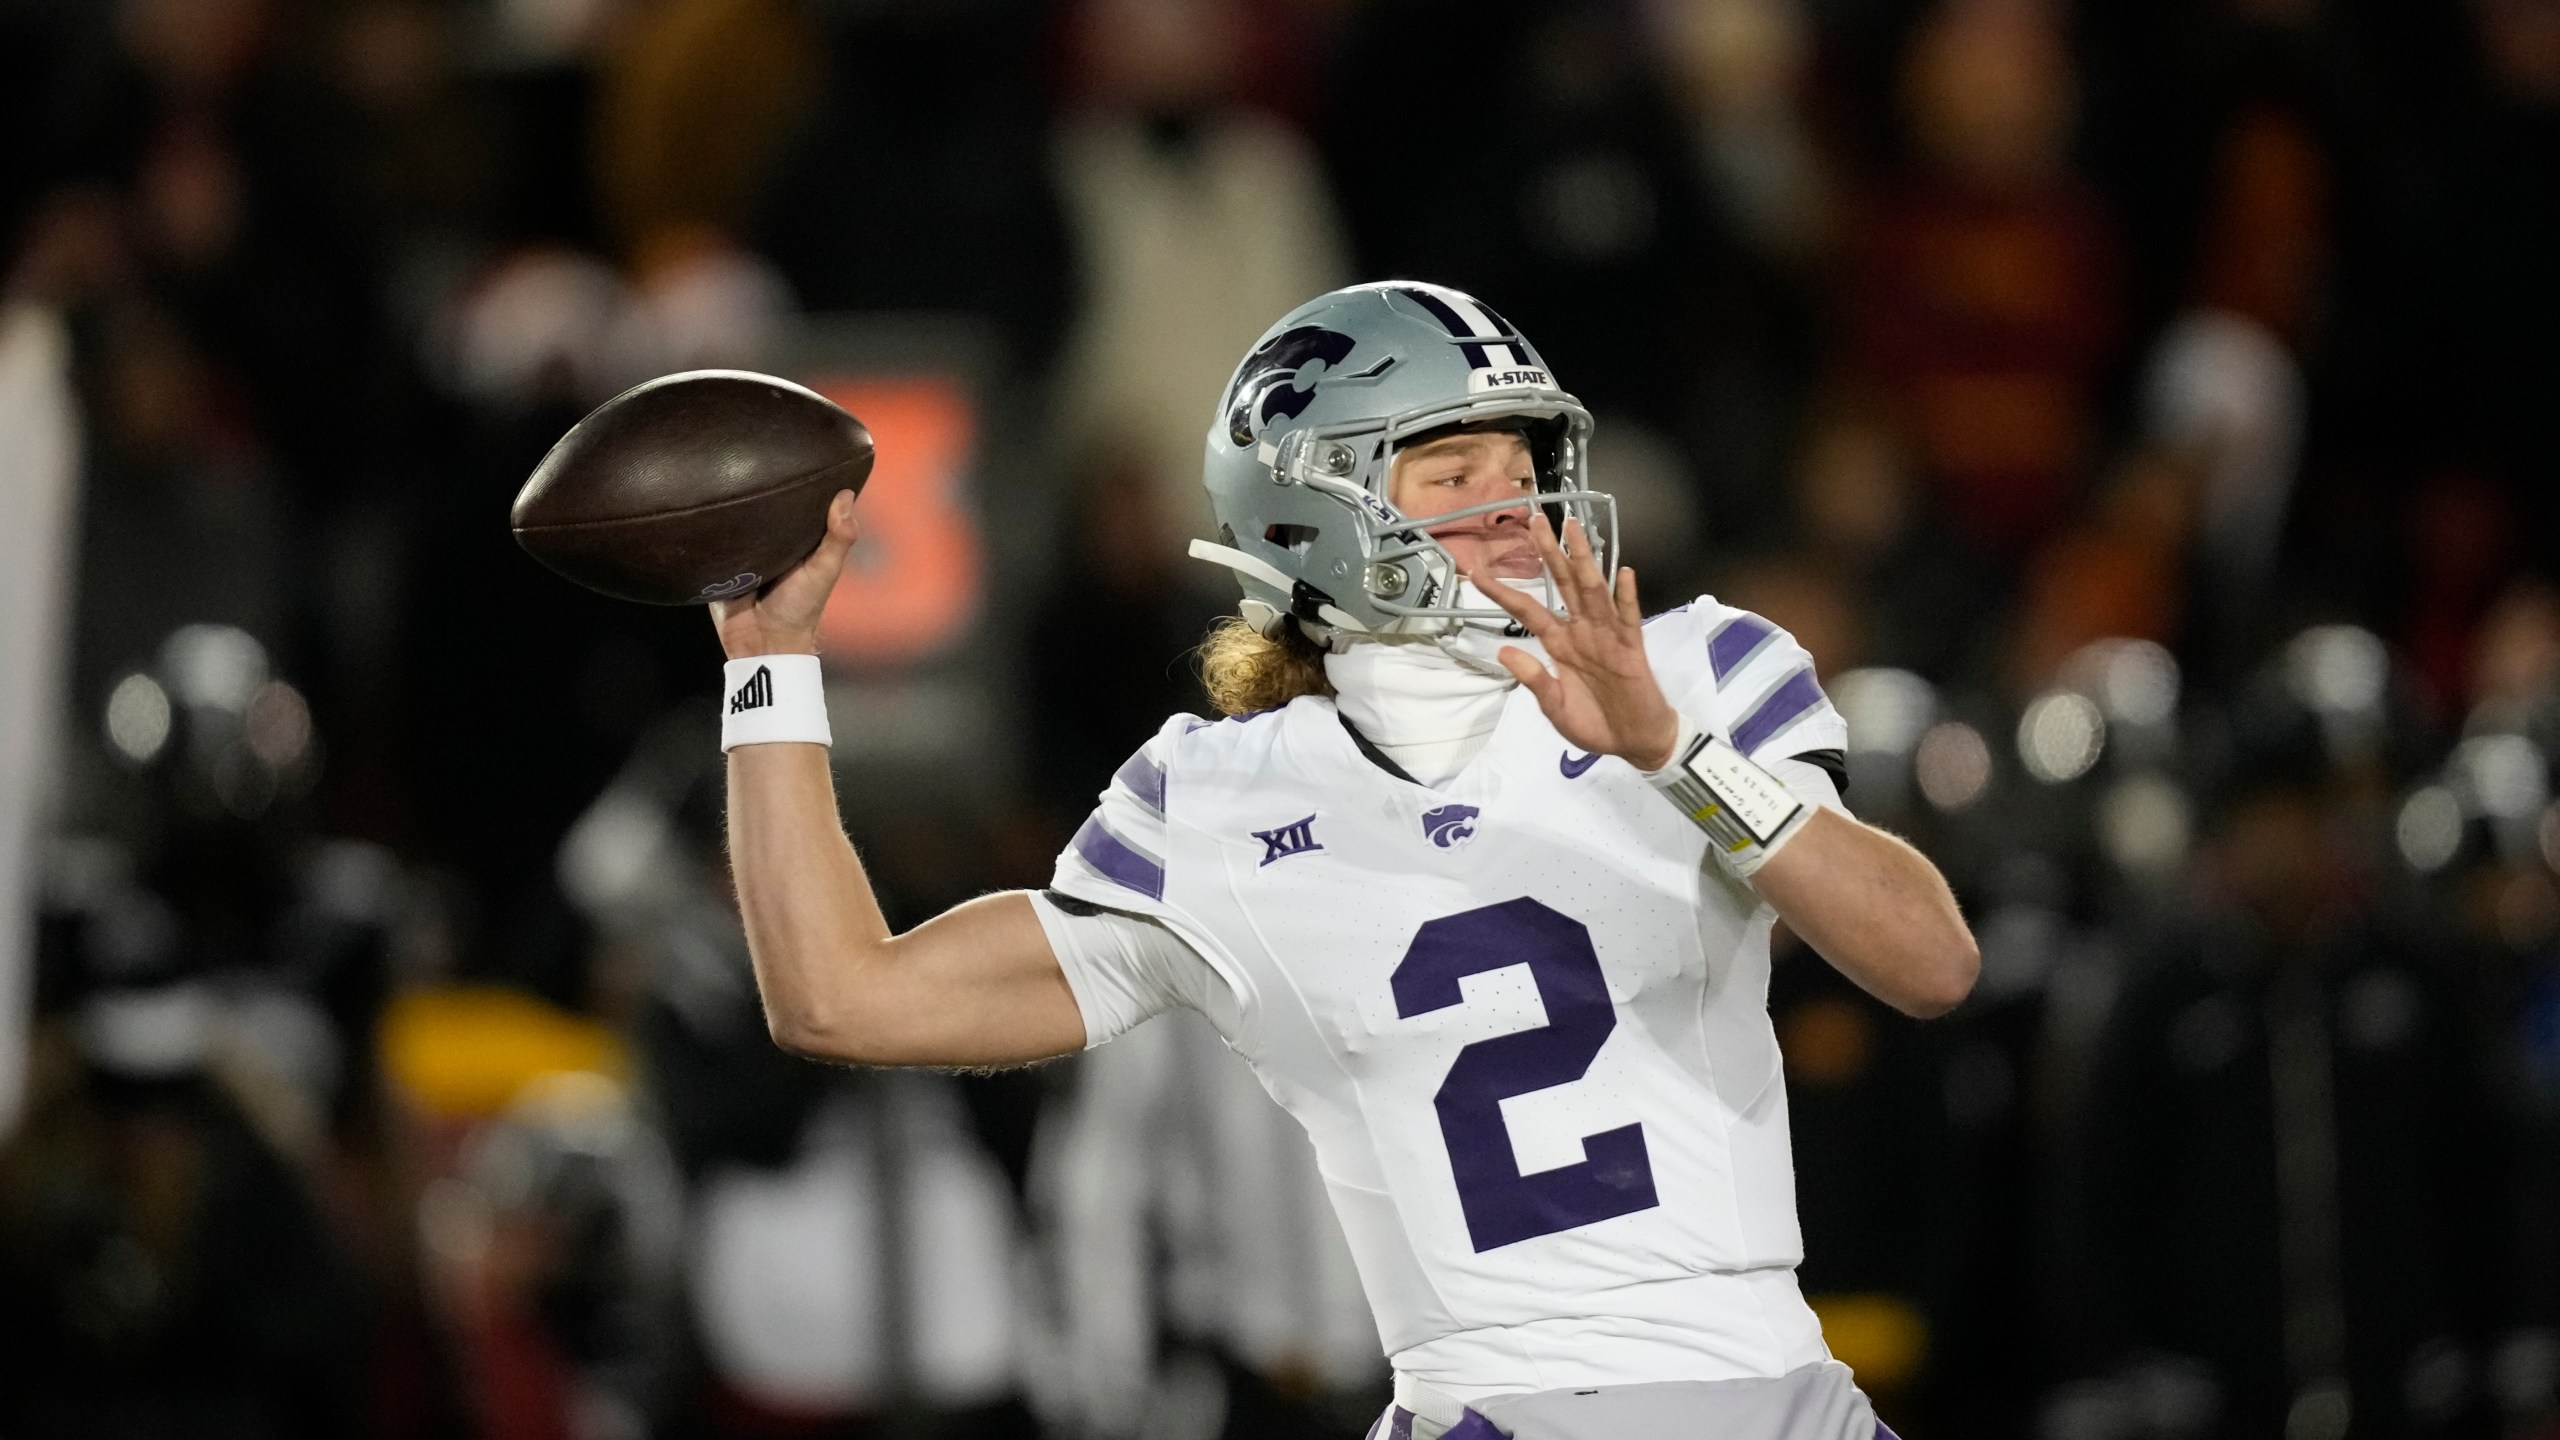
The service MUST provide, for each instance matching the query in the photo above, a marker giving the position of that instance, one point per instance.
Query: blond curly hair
(1245, 670)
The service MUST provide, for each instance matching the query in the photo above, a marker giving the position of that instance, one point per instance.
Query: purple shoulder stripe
(1782, 707)
(1119, 862)
(1145, 779)
(1734, 641)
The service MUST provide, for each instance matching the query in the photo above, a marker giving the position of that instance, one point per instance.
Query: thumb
(842, 528)
(795, 600)
(1525, 668)
(827, 561)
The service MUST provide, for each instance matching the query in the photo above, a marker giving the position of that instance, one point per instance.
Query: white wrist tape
(768, 699)
(1748, 813)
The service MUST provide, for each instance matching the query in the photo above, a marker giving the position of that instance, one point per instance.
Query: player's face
(1462, 470)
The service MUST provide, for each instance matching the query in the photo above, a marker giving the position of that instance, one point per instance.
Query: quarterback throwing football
(1478, 875)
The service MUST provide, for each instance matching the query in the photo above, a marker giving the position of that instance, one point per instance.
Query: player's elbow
(878, 1034)
(828, 1036)
(1940, 974)
(808, 1036)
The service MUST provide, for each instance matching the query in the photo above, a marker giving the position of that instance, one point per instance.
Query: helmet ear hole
(1290, 537)
(1546, 440)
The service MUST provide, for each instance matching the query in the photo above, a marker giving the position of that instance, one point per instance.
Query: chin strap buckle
(1305, 601)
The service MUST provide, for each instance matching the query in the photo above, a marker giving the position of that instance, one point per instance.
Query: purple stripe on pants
(1796, 1415)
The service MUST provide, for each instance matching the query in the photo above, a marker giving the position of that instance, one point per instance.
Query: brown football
(691, 487)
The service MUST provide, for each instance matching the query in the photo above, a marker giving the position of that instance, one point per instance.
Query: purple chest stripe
(1120, 863)
(1794, 696)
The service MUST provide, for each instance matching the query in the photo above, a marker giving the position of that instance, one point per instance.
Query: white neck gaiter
(1430, 702)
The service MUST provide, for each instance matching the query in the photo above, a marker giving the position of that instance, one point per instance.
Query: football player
(1478, 876)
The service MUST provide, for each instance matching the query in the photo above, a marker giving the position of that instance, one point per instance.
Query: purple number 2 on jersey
(1502, 1205)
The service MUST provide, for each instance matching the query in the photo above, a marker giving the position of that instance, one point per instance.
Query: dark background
(2146, 411)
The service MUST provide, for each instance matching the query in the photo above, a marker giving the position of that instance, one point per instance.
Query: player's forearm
(813, 926)
(1877, 910)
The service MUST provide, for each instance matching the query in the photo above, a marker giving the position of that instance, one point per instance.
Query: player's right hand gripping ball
(692, 487)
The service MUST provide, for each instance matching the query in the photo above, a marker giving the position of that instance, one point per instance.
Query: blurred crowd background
(2146, 411)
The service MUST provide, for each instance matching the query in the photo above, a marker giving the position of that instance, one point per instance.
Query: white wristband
(768, 699)
(1748, 813)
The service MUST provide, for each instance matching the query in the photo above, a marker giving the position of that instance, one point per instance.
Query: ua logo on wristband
(772, 698)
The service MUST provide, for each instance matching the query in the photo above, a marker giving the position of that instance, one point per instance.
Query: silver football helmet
(1303, 446)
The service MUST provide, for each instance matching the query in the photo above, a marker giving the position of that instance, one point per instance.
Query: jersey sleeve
(1120, 943)
(1116, 859)
(1123, 969)
(1739, 675)
(1810, 783)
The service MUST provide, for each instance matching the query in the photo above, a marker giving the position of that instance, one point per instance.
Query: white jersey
(1523, 1016)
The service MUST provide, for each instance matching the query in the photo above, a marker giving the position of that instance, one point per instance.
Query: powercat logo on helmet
(1267, 387)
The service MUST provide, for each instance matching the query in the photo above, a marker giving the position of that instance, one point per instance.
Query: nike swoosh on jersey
(1572, 767)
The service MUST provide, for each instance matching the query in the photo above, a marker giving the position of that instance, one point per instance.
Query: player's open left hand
(782, 617)
(1601, 696)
